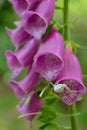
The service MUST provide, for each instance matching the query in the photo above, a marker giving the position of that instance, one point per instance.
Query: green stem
(66, 19)
(73, 118)
(67, 37)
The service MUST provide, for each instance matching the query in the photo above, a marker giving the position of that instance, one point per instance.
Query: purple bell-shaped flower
(27, 84)
(48, 60)
(23, 57)
(69, 84)
(31, 108)
(21, 6)
(18, 36)
(36, 22)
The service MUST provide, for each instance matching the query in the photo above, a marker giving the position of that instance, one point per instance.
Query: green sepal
(73, 44)
(51, 99)
(59, 26)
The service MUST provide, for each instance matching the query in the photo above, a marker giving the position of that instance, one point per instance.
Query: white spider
(58, 88)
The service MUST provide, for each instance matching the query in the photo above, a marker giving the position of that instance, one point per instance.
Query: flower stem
(72, 107)
(66, 19)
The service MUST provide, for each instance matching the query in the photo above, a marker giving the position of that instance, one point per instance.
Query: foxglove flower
(21, 6)
(48, 60)
(32, 107)
(36, 22)
(18, 36)
(17, 90)
(26, 85)
(69, 82)
(23, 57)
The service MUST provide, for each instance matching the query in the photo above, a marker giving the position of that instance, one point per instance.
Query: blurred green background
(8, 101)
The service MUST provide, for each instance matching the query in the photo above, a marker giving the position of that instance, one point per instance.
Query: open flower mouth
(72, 92)
(35, 25)
(49, 65)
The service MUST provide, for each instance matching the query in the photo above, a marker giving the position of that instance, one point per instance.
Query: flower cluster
(27, 38)
(43, 58)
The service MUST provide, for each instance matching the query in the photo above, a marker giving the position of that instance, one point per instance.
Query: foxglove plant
(26, 45)
(46, 61)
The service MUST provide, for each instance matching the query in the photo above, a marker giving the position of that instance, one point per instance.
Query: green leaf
(49, 126)
(22, 74)
(84, 76)
(68, 115)
(51, 99)
(79, 99)
(41, 86)
(59, 8)
(48, 29)
(5, 44)
(67, 128)
(47, 115)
